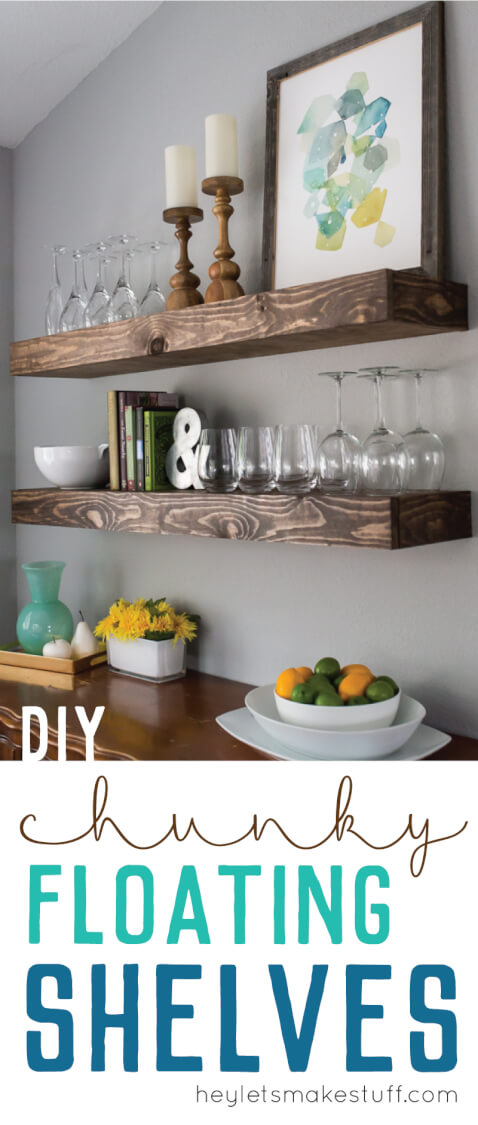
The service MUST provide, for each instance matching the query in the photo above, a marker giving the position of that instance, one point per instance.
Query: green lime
(338, 679)
(379, 691)
(329, 699)
(357, 701)
(320, 683)
(388, 680)
(300, 694)
(328, 666)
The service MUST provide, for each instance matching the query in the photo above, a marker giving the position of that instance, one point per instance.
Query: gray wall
(96, 166)
(7, 435)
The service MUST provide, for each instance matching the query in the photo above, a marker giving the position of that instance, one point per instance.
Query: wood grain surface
(149, 722)
(409, 520)
(381, 305)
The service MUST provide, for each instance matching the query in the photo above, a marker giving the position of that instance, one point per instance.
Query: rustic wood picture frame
(431, 16)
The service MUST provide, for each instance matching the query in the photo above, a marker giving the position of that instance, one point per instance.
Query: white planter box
(151, 660)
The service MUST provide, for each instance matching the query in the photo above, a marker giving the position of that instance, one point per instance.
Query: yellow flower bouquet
(132, 631)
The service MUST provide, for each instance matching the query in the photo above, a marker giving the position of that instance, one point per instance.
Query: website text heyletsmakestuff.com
(323, 1095)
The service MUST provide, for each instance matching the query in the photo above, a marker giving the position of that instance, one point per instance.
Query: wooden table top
(143, 721)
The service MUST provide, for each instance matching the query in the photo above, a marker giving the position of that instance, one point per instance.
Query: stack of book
(140, 432)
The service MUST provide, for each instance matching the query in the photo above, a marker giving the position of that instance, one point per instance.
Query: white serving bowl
(343, 745)
(73, 466)
(366, 716)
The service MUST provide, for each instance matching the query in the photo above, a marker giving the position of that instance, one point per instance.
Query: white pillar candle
(181, 176)
(221, 145)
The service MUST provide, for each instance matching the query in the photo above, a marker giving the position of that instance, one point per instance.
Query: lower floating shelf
(412, 519)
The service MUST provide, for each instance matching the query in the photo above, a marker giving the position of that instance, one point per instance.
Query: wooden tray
(47, 670)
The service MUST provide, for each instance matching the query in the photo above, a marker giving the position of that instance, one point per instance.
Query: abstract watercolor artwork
(347, 187)
(346, 162)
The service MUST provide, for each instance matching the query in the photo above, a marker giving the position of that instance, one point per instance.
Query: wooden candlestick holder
(223, 272)
(184, 284)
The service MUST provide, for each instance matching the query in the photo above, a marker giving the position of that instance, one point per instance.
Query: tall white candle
(181, 176)
(221, 145)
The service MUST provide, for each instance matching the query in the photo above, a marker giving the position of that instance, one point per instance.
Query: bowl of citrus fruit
(334, 697)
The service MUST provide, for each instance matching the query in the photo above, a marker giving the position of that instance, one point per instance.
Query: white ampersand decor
(186, 433)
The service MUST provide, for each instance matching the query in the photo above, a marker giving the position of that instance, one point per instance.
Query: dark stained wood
(409, 520)
(446, 519)
(381, 305)
(431, 16)
(149, 722)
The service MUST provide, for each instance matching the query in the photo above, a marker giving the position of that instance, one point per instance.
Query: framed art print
(354, 155)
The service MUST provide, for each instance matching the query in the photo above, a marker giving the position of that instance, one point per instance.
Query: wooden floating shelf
(382, 305)
(388, 522)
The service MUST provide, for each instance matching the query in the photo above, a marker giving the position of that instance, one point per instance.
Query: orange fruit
(356, 668)
(305, 672)
(286, 681)
(355, 683)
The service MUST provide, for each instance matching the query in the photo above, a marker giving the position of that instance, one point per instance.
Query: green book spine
(147, 451)
(161, 441)
(130, 426)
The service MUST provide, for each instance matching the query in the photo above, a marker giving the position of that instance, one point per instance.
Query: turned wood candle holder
(184, 284)
(223, 272)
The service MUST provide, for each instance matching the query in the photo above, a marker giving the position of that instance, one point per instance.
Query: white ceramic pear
(84, 643)
(57, 648)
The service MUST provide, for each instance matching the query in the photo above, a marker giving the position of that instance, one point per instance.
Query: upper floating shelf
(383, 305)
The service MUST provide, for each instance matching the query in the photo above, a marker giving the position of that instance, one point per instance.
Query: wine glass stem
(123, 279)
(380, 422)
(338, 384)
(154, 284)
(56, 270)
(77, 278)
(101, 283)
(418, 402)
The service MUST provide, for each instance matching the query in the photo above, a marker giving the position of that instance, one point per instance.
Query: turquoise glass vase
(45, 616)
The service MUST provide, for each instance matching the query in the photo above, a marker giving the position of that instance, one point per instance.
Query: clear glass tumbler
(217, 469)
(255, 459)
(294, 460)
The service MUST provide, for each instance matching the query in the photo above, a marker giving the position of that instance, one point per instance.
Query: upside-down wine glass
(384, 457)
(426, 455)
(97, 309)
(124, 302)
(54, 306)
(339, 459)
(73, 315)
(154, 300)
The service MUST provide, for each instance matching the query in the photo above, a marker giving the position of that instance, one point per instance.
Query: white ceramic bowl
(73, 466)
(366, 716)
(343, 745)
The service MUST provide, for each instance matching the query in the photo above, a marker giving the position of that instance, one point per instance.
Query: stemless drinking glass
(124, 303)
(54, 305)
(339, 459)
(154, 300)
(426, 455)
(97, 310)
(73, 315)
(217, 460)
(384, 460)
(255, 458)
(294, 462)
